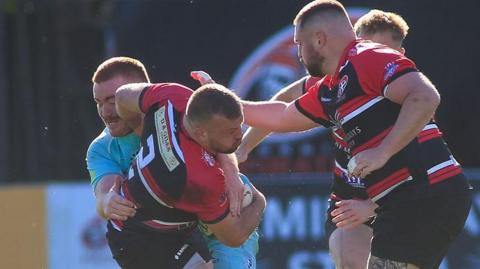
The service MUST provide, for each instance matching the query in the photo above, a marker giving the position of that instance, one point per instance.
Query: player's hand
(366, 162)
(234, 188)
(117, 207)
(351, 213)
(202, 77)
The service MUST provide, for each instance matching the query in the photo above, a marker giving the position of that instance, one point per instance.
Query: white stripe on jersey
(170, 223)
(147, 187)
(440, 166)
(385, 192)
(430, 126)
(362, 108)
(172, 128)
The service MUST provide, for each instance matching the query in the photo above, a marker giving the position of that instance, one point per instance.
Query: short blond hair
(120, 66)
(377, 21)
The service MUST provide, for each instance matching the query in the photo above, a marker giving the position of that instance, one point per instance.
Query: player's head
(383, 27)
(110, 75)
(322, 31)
(215, 116)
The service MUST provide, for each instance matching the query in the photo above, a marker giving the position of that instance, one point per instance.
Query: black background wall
(49, 50)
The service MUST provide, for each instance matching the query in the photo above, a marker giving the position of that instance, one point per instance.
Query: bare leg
(350, 248)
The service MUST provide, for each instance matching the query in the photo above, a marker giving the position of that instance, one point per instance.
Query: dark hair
(377, 21)
(120, 66)
(213, 99)
(316, 7)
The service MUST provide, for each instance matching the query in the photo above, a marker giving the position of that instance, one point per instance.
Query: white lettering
(144, 161)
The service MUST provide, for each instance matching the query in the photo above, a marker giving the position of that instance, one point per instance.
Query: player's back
(167, 179)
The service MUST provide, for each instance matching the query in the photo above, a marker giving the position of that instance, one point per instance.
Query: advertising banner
(75, 234)
(291, 233)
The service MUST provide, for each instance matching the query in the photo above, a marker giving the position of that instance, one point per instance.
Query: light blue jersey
(224, 257)
(113, 155)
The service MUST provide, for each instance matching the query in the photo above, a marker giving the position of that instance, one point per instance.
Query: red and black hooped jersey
(343, 186)
(173, 181)
(353, 101)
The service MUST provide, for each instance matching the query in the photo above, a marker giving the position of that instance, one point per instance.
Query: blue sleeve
(100, 163)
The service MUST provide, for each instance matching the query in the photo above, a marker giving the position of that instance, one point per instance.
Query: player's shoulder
(367, 50)
(170, 87)
(101, 143)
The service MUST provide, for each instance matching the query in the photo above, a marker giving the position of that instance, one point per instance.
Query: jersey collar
(347, 52)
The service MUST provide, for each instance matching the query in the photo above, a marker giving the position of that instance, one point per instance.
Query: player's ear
(320, 39)
(201, 133)
(402, 50)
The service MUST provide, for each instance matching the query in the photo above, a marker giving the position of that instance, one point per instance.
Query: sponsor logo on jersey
(209, 159)
(390, 69)
(180, 251)
(164, 143)
(341, 88)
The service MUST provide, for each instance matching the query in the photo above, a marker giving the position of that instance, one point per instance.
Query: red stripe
(340, 141)
(127, 193)
(118, 223)
(426, 138)
(352, 105)
(372, 142)
(159, 226)
(444, 173)
(429, 134)
(337, 171)
(394, 178)
(154, 186)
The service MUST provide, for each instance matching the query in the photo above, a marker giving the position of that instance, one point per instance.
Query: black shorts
(419, 230)
(330, 226)
(144, 249)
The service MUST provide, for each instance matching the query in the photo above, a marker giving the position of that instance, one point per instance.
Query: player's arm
(109, 203)
(127, 100)
(233, 184)
(259, 114)
(276, 116)
(419, 99)
(106, 176)
(253, 136)
(234, 231)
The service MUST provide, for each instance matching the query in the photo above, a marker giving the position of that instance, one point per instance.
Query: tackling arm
(234, 231)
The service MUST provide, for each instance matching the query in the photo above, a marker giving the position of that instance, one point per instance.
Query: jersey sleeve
(382, 66)
(158, 93)
(310, 105)
(99, 164)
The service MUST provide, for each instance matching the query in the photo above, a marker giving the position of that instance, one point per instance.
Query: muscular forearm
(276, 116)
(101, 190)
(253, 136)
(252, 214)
(229, 164)
(417, 110)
